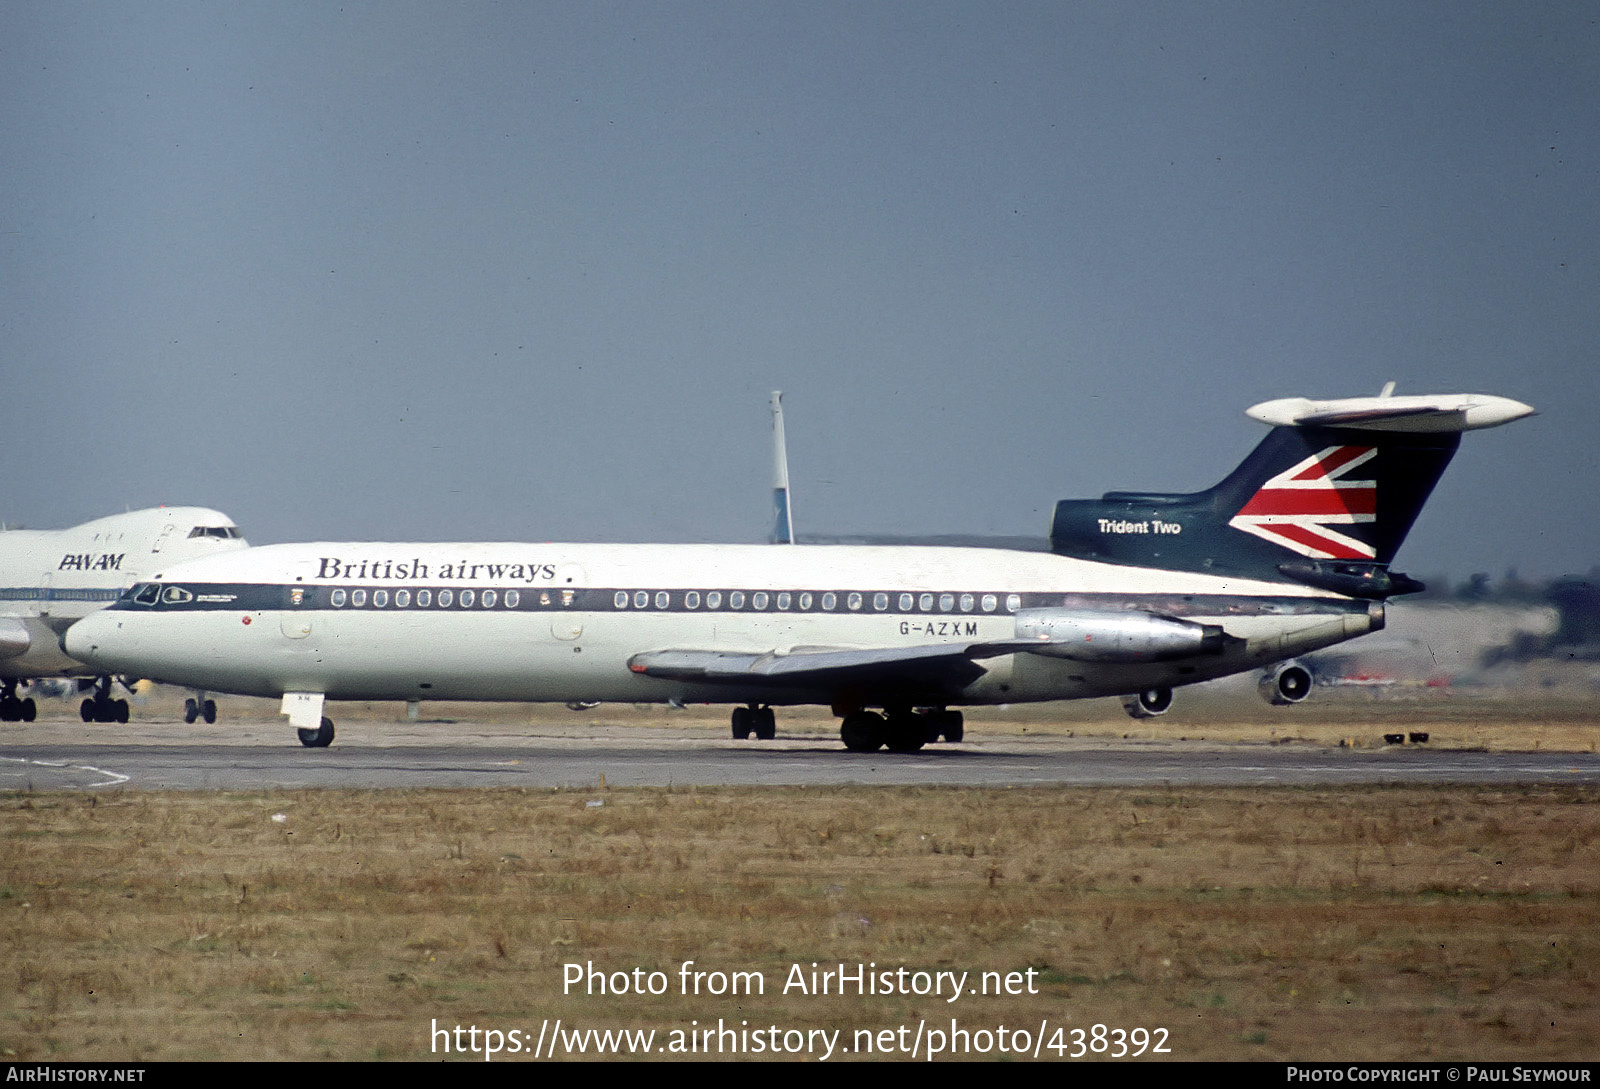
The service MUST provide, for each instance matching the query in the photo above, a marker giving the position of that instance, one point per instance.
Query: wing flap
(822, 666)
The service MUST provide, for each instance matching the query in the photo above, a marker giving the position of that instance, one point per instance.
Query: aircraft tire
(191, 710)
(862, 731)
(118, 709)
(87, 711)
(1148, 702)
(766, 724)
(10, 711)
(208, 711)
(906, 733)
(741, 724)
(320, 738)
(952, 725)
(30, 710)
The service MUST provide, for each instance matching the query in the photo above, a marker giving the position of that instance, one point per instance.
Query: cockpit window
(224, 533)
(147, 593)
(177, 595)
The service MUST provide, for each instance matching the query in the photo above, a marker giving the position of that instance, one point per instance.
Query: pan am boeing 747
(52, 577)
(1140, 593)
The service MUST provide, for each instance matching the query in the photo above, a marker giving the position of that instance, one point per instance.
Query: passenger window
(402, 599)
(759, 600)
(621, 600)
(989, 603)
(445, 598)
(905, 603)
(358, 598)
(830, 601)
(1013, 602)
(691, 600)
(641, 599)
(925, 603)
(736, 600)
(489, 598)
(337, 598)
(424, 598)
(880, 601)
(714, 599)
(854, 600)
(467, 597)
(966, 603)
(947, 602)
(783, 601)
(513, 598)
(380, 598)
(805, 601)
(663, 599)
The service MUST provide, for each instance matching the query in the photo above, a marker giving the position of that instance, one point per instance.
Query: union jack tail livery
(1325, 499)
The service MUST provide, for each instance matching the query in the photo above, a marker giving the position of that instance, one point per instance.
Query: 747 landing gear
(200, 706)
(13, 709)
(754, 719)
(101, 707)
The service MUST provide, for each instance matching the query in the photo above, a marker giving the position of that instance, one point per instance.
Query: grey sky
(528, 271)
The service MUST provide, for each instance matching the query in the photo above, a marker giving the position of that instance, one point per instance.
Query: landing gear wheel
(10, 709)
(742, 724)
(862, 731)
(191, 710)
(905, 732)
(320, 738)
(86, 710)
(30, 710)
(1148, 703)
(119, 710)
(949, 725)
(208, 711)
(765, 723)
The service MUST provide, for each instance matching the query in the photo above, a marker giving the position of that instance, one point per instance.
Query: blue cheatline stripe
(434, 597)
(51, 593)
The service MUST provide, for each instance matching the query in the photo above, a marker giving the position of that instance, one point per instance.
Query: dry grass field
(1399, 923)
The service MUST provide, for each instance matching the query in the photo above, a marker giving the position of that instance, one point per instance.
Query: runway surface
(264, 756)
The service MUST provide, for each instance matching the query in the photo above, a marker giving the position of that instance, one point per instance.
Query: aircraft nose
(87, 638)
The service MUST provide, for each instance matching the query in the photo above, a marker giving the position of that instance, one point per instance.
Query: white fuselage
(51, 578)
(561, 622)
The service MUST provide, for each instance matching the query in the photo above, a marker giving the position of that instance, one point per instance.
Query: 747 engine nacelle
(1088, 636)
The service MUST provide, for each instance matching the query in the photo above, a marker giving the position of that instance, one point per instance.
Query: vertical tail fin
(783, 517)
(1326, 498)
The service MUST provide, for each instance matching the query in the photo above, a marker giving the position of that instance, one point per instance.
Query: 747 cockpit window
(226, 533)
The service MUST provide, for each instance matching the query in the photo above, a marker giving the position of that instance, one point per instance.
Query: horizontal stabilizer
(1430, 413)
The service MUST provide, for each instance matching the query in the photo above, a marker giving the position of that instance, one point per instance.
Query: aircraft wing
(942, 664)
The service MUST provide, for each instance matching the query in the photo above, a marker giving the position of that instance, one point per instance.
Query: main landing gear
(754, 719)
(101, 707)
(200, 706)
(1148, 703)
(900, 729)
(13, 709)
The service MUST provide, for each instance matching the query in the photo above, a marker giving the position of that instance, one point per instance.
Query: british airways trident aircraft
(1140, 593)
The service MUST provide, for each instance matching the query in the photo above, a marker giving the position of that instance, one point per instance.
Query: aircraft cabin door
(565, 623)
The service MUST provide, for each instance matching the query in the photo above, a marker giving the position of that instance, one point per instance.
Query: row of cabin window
(854, 601)
(487, 599)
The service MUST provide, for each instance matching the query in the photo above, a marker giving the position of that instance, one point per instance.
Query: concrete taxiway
(263, 755)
